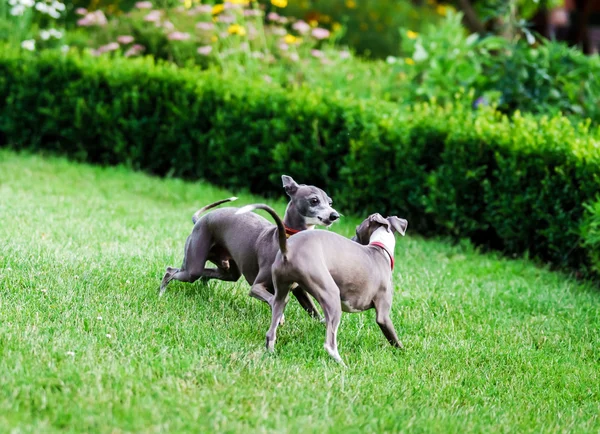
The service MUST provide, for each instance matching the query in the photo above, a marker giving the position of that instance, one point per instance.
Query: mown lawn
(86, 345)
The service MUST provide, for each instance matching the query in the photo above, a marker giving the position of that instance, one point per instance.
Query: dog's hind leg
(280, 300)
(306, 302)
(260, 289)
(232, 274)
(382, 307)
(196, 252)
(327, 293)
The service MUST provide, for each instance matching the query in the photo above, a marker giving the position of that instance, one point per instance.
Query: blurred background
(517, 54)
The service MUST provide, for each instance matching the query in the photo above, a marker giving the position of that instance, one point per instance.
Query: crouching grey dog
(247, 244)
(342, 274)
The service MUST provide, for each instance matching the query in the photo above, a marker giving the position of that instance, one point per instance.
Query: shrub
(514, 184)
(546, 78)
(590, 230)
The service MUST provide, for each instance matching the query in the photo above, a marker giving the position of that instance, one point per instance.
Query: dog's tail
(280, 226)
(197, 214)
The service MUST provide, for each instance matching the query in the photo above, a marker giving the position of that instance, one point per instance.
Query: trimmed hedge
(517, 185)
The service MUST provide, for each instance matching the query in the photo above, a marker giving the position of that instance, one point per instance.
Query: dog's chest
(347, 307)
(356, 305)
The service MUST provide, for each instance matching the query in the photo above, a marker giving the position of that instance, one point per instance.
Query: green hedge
(518, 185)
(590, 232)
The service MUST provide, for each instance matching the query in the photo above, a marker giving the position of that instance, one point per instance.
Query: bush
(548, 78)
(590, 230)
(514, 184)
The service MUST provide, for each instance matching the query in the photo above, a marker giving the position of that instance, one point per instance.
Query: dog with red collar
(246, 245)
(341, 274)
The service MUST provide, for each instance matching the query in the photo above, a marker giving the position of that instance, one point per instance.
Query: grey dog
(247, 244)
(340, 273)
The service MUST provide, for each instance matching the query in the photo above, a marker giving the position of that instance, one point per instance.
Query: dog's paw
(282, 320)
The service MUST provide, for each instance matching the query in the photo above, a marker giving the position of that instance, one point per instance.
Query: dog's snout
(334, 216)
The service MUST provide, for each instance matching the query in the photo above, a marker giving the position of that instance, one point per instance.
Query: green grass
(493, 345)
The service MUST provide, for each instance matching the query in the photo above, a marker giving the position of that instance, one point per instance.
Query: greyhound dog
(247, 244)
(342, 274)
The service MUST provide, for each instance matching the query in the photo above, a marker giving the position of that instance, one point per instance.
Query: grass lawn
(86, 345)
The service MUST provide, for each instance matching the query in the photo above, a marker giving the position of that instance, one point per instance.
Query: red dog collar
(289, 231)
(378, 244)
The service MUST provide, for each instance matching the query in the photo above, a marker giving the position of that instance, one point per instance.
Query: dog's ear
(399, 225)
(289, 185)
(379, 220)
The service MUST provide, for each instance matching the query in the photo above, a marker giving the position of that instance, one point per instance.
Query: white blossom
(17, 10)
(28, 44)
(42, 7)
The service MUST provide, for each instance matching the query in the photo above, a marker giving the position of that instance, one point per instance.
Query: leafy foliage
(545, 78)
(514, 184)
(590, 230)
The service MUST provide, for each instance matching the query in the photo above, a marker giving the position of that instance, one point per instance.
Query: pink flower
(228, 5)
(317, 53)
(153, 17)
(301, 26)
(81, 11)
(268, 78)
(294, 57)
(178, 36)
(280, 31)
(85, 22)
(203, 9)
(283, 46)
(320, 33)
(143, 5)
(112, 46)
(273, 16)
(100, 18)
(134, 50)
(258, 55)
(125, 39)
(205, 26)
(168, 25)
(344, 54)
(252, 13)
(205, 50)
(96, 18)
(252, 32)
(227, 19)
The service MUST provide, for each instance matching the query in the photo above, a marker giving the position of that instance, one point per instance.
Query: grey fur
(247, 244)
(340, 273)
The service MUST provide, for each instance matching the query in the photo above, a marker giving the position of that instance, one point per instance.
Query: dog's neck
(385, 239)
(293, 221)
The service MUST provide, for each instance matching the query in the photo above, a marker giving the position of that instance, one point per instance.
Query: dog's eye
(314, 201)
